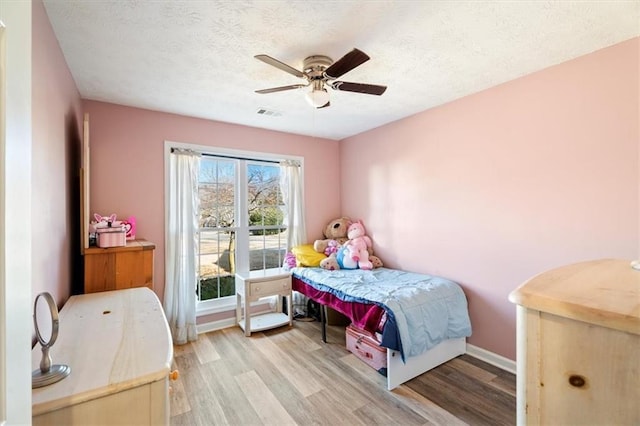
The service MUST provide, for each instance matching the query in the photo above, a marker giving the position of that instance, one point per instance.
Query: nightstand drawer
(268, 288)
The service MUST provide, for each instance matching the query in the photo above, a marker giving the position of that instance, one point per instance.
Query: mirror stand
(48, 373)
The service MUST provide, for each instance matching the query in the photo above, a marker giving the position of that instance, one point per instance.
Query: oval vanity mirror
(44, 319)
(46, 323)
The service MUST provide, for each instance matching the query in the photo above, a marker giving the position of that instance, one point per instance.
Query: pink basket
(111, 238)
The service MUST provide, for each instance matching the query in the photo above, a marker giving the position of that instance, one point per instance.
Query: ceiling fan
(320, 71)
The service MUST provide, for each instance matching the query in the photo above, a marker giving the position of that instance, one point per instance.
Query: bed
(422, 319)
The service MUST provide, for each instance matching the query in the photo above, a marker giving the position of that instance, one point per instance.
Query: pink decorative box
(111, 237)
(363, 345)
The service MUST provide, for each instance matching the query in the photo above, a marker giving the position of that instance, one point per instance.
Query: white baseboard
(215, 325)
(492, 358)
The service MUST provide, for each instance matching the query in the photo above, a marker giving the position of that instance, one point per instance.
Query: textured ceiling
(195, 58)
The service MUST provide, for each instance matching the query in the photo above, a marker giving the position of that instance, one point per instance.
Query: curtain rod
(233, 157)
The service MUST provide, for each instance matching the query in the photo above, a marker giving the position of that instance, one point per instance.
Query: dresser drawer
(268, 288)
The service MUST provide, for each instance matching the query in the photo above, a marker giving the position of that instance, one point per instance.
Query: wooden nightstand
(255, 285)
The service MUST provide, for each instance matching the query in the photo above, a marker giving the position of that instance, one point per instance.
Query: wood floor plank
(471, 370)
(505, 384)
(303, 381)
(299, 408)
(231, 344)
(204, 349)
(182, 419)
(333, 409)
(189, 367)
(265, 404)
(374, 414)
(364, 370)
(337, 378)
(503, 381)
(243, 352)
(288, 376)
(295, 340)
(485, 366)
(182, 349)
(470, 400)
(205, 409)
(435, 414)
(415, 410)
(178, 398)
(335, 334)
(229, 395)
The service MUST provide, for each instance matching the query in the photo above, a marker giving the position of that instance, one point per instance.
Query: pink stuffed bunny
(356, 247)
(106, 221)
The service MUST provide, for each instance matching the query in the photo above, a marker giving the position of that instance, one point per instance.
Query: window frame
(227, 303)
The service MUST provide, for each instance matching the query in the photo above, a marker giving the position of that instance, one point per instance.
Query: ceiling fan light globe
(317, 98)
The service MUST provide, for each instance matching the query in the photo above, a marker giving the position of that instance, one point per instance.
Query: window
(241, 222)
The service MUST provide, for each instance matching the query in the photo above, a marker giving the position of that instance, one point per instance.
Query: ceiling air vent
(264, 111)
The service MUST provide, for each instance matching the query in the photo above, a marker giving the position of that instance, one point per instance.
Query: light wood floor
(287, 376)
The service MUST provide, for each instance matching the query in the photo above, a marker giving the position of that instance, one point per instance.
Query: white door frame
(15, 213)
(3, 342)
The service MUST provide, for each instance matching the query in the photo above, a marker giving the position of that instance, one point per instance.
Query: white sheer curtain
(291, 188)
(182, 247)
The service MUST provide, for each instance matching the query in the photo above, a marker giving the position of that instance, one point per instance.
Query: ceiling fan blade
(281, 88)
(369, 89)
(280, 65)
(346, 63)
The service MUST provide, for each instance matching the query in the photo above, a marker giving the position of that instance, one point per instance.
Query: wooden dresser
(115, 268)
(119, 348)
(578, 345)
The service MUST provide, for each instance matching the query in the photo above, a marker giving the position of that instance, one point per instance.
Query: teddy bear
(376, 261)
(356, 249)
(336, 231)
(330, 263)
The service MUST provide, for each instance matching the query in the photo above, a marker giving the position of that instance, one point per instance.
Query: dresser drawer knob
(174, 375)
(577, 381)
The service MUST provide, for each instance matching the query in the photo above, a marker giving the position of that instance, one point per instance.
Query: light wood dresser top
(113, 341)
(601, 292)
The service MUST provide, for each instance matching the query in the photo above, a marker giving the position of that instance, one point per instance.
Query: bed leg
(323, 320)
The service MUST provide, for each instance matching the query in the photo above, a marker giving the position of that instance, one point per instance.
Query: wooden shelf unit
(116, 268)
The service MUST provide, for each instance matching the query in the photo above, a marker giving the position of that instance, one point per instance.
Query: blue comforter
(422, 310)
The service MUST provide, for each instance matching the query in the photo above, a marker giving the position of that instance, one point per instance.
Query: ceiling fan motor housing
(314, 66)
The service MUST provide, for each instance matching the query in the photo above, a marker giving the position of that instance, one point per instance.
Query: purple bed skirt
(366, 316)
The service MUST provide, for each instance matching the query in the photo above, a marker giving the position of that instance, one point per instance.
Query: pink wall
(496, 187)
(127, 165)
(56, 124)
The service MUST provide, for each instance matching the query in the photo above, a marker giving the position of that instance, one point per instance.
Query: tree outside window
(220, 205)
